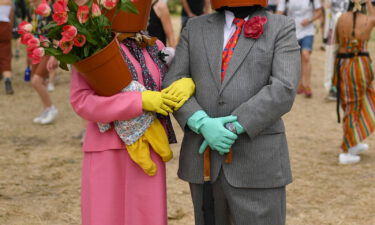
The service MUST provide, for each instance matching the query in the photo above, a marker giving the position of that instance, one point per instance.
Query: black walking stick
(208, 206)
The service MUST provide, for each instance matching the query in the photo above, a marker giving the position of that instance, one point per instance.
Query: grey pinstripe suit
(259, 88)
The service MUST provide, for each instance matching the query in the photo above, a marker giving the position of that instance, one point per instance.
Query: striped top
(353, 45)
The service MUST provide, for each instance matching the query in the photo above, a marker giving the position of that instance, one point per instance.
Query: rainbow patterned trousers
(356, 97)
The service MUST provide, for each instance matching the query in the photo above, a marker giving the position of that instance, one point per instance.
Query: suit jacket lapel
(213, 40)
(243, 47)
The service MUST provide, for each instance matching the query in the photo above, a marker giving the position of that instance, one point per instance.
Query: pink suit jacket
(95, 108)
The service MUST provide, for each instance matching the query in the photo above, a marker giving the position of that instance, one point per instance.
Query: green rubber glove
(182, 89)
(199, 119)
(239, 127)
(156, 101)
(216, 135)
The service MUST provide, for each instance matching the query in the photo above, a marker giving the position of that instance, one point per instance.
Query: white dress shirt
(229, 27)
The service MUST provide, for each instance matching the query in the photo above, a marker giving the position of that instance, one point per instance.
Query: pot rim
(97, 54)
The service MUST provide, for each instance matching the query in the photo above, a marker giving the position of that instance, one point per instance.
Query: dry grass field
(40, 165)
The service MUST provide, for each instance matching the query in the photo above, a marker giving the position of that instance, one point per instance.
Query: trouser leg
(221, 206)
(250, 206)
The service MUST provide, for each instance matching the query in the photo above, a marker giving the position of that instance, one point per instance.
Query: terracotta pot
(106, 71)
(130, 22)
(216, 4)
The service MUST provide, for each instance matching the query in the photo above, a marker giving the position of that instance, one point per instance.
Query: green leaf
(64, 66)
(53, 51)
(55, 33)
(50, 25)
(104, 21)
(86, 51)
(128, 6)
(72, 6)
(68, 58)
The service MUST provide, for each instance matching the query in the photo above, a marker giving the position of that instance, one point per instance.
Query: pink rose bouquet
(77, 31)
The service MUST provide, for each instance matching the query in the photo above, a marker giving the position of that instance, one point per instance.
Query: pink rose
(24, 27)
(79, 40)
(108, 4)
(95, 10)
(254, 27)
(44, 41)
(26, 37)
(83, 14)
(60, 18)
(38, 52)
(55, 43)
(60, 6)
(33, 43)
(35, 59)
(43, 9)
(30, 50)
(69, 32)
(66, 45)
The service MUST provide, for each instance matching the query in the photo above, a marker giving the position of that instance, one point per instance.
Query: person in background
(160, 23)
(334, 9)
(353, 78)
(52, 67)
(191, 8)
(322, 24)
(40, 73)
(272, 5)
(304, 13)
(6, 23)
(20, 13)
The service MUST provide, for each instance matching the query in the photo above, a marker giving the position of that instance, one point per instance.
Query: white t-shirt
(340, 6)
(300, 10)
(273, 2)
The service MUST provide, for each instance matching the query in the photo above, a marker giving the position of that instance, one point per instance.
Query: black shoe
(8, 87)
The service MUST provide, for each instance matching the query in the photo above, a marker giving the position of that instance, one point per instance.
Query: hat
(216, 4)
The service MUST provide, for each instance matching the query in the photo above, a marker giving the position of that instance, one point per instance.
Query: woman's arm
(187, 8)
(91, 107)
(162, 11)
(371, 12)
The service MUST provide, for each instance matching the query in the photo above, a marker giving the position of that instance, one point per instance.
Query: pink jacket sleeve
(91, 107)
(160, 45)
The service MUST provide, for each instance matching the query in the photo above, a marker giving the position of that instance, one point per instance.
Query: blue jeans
(306, 43)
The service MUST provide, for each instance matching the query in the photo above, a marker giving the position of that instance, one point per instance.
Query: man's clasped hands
(213, 130)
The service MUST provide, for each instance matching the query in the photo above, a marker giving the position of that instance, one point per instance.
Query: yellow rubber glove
(139, 152)
(182, 89)
(159, 102)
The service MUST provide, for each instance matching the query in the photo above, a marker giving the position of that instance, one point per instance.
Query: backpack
(287, 1)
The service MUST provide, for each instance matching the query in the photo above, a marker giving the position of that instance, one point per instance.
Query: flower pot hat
(130, 22)
(217, 4)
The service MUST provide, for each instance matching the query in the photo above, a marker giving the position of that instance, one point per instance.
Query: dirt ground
(40, 165)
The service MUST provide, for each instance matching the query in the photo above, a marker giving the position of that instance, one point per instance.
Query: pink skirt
(115, 191)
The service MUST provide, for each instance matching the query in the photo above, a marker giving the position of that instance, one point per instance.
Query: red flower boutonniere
(254, 27)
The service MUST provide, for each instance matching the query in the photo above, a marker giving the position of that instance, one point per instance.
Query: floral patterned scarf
(149, 82)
